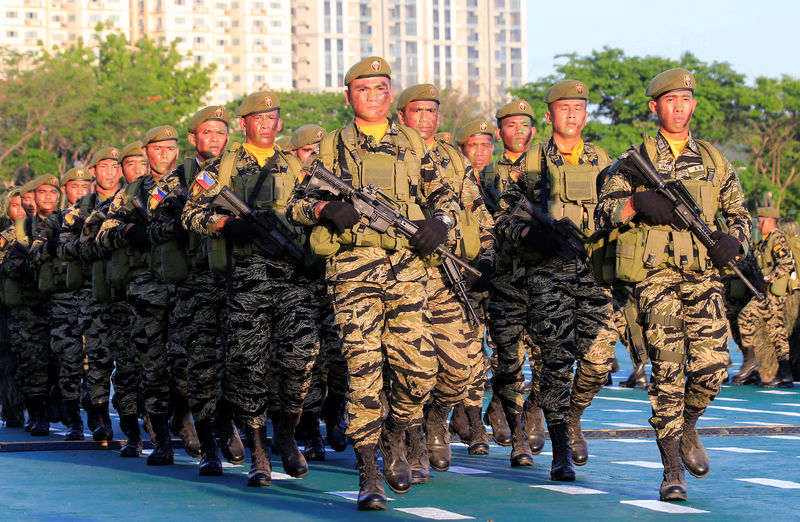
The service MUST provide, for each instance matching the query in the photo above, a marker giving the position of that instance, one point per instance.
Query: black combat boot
(293, 461)
(371, 495)
(210, 463)
(534, 424)
(438, 438)
(230, 441)
(459, 424)
(636, 378)
(74, 421)
(418, 455)
(495, 418)
(260, 468)
(104, 431)
(782, 379)
(182, 426)
(479, 440)
(562, 469)
(673, 487)
(580, 450)
(395, 465)
(312, 437)
(520, 449)
(163, 454)
(129, 424)
(748, 372)
(41, 415)
(334, 413)
(692, 451)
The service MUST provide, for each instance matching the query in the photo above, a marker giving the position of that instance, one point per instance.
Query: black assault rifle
(382, 212)
(572, 246)
(491, 199)
(685, 210)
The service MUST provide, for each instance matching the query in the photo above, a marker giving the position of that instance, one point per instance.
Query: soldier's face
(76, 189)
(162, 156)
(370, 99)
(106, 174)
(210, 139)
(767, 225)
(46, 198)
(478, 149)
(422, 116)
(516, 133)
(15, 210)
(28, 203)
(304, 152)
(262, 128)
(568, 117)
(674, 110)
(134, 167)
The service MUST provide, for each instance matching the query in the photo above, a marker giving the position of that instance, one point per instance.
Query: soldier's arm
(439, 196)
(109, 237)
(615, 208)
(69, 239)
(732, 207)
(300, 208)
(38, 250)
(161, 227)
(782, 255)
(198, 215)
(472, 200)
(509, 227)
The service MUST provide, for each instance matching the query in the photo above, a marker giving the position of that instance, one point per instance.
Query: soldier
(377, 280)
(270, 306)
(27, 200)
(774, 258)
(458, 345)
(680, 294)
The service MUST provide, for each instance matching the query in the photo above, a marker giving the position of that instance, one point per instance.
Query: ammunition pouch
(74, 278)
(120, 268)
(217, 255)
(780, 286)
(12, 292)
(174, 265)
(101, 289)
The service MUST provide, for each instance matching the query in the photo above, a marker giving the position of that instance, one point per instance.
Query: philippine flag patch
(202, 182)
(156, 197)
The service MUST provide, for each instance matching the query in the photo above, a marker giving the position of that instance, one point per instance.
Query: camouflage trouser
(30, 343)
(10, 397)
(384, 323)
(330, 369)
(127, 376)
(268, 313)
(177, 357)
(771, 311)
(148, 299)
(476, 355)
(684, 316)
(571, 320)
(200, 311)
(98, 350)
(66, 343)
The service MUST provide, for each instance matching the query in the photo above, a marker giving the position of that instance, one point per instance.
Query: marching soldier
(678, 287)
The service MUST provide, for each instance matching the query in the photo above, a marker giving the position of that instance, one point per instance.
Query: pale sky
(757, 37)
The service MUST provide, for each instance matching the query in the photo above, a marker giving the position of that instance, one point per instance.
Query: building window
(328, 64)
(12, 34)
(275, 5)
(199, 40)
(30, 15)
(13, 14)
(277, 59)
(339, 10)
(277, 78)
(276, 41)
(340, 62)
(275, 23)
(327, 17)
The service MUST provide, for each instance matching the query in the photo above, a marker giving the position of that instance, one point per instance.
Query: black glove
(137, 237)
(761, 284)
(51, 245)
(238, 231)
(482, 283)
(176, 227)
(654, 207)
(725, 248)
(547, 242)
(341, 214)
(431, 233)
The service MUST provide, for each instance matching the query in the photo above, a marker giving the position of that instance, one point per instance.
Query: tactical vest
(171, 260)
(127, 259)
(763, 255)
(398, 176)
(646, 247)
(467, 234)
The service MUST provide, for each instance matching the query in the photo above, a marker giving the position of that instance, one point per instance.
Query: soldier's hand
(136, 235)
(238, 231)
(725, 248)
(340, 213)
(546, 242)
(482, 283)
(654, 207)
(431, 233)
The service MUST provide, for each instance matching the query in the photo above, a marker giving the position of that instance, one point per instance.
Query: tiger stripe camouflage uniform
(11, 399)
(683, 310)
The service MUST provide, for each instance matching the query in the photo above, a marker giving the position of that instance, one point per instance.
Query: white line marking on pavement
(642, 464)
(794, 404)
(280, 476)
(784, 437)
(664, 507)
(782, 484)
(434, 513)
(748, 410)
(778, 392)
(229, 465)
(741, 450)
(461, 470)
(349, 495)
(147, 452)
(624, 425)
(572, 490)
(729, 399)
(711, 418)
(633, 441)
(621, 399)
(755, 423)
(625, 411)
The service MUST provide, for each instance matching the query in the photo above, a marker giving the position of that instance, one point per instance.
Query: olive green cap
(76, 174)
(421, 92)
(212, 112)
(306, 135)
(368, 68)
(444, 136)
(44, 179)
(258, 102)
(515, 108)
(678, 79)
(131, 149)
(105, 153)
(283, 142)
(768, 212)
(160, 133)
(28, 187)
(479, 126)
(566, 90)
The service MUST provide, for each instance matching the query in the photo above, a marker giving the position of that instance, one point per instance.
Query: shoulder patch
(778, 251)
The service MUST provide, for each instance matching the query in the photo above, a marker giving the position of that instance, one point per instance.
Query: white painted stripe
(663, 507)
(729, 399)
(433, 513)
(229, 465)
(280, 476)
(778, 392)
(621, 399)
(634, 441)
(784, 437)
(147, 452)
(711, 418)
(642, 464)
(349, 495)
(624, 425)
(461, 470)
(572, 490)
(741, 450)
(748, 410)
(782, 484)
(756, 423)
(794, 404)
(625, 411)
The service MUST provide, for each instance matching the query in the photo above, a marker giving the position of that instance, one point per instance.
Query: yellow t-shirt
(376, 131)
(261, 155)
(676, 146)
(513, 156)
(573, 155)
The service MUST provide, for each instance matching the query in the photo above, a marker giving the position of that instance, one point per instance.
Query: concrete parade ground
(752, 436)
